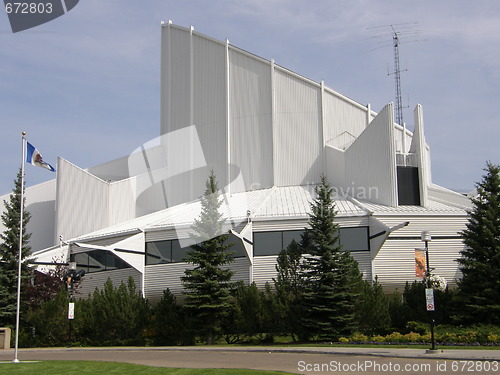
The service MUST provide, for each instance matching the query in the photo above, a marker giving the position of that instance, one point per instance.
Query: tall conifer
(479, 288)
(207, 285)
(9, 253)
(331, 275)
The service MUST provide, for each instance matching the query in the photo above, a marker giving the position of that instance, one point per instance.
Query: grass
(93, 368)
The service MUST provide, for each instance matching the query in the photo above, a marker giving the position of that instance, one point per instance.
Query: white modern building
(268, 134)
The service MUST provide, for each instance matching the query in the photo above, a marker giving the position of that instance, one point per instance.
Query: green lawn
(92, 368)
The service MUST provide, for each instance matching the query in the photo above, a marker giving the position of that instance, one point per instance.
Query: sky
(86, 86)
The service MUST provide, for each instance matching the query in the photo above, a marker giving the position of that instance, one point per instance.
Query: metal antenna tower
(409, 35)
(397, 75)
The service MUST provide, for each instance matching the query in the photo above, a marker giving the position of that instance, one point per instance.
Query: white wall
(371, 159)
(343, 120)
(395, 262)
(251, 135)
(82, 201)
(40, 203)
(297, 133)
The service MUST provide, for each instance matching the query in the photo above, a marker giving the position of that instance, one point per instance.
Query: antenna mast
(397, 75)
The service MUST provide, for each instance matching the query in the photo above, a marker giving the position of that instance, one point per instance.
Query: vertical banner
(420, 263)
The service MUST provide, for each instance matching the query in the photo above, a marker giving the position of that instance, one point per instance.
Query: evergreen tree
(167, 320)
(372, 309)
(479, 288)
(207, 285)
(331, 275)
(9, 253)
(288, 286)
(112, 315)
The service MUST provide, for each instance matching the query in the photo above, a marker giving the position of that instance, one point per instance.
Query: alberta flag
(35, 158)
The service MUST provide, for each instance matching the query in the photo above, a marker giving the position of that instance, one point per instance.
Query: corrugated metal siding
(162, 276)
(370, 161)
(274, 225)
(179, 61)
(447, 196)
(241, 268)
(364, 263)
(299, 224)
(264, 270)
(297, 133)
(395, 264)
(357, 221)
(91, 281)
(343, 120)
(335, 166)
(41, 204)
(82, 201)
(209, 104)
(251, 119)
(121, 201)
(161, 235)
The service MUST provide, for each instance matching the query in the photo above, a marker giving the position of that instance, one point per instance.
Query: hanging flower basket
(437, 282)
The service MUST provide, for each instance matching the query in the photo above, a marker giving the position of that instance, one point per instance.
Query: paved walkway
(292, 359)
(456, 354)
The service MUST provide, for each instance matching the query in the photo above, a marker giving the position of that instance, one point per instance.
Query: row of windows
(98, 260)
(271, 243)
(170, 251)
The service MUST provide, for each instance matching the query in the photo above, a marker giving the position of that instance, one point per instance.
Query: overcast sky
(86, 87)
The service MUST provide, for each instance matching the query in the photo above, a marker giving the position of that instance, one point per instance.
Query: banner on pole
(420, 268)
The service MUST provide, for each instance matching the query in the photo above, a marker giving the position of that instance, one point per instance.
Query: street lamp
(72, 277)
(429, 293)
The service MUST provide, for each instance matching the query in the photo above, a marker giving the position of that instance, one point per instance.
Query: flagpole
(16, 360)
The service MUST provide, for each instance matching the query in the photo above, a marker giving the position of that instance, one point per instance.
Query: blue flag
(35, 158)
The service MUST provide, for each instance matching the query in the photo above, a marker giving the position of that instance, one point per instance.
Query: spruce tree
(208, 284)
(372, 309)
(9, 253)
(331, 275)
(288, 286)
(479, 288)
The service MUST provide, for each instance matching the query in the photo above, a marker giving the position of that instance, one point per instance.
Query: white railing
(406, 160)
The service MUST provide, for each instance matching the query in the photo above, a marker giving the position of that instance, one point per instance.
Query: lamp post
(72, 277)
(429, 293)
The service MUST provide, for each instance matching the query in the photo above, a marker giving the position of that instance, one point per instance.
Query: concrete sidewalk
(449, 354)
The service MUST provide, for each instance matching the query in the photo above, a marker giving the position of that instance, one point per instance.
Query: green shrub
(359, 337)
(413, 337)
(447, 337)
(494, 339)
(394, 337)
(418, 327)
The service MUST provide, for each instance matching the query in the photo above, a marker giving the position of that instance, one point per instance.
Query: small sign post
(429, 299)
(71, 311)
